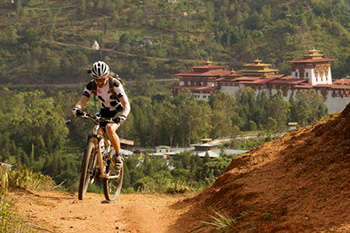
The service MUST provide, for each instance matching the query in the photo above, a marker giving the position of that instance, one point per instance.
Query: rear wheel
(112, 187)
(87, 168)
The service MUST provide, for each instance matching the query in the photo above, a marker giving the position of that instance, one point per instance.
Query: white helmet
(99, 69)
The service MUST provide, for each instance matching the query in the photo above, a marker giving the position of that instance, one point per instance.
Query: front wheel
(87, 168)
(112, 187)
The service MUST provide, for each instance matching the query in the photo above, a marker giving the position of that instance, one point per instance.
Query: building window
(306, 74)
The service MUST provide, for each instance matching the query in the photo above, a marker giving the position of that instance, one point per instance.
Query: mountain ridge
(163, 36)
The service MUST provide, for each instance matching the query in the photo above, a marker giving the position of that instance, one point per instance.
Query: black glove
(119, 119)
(77, 112)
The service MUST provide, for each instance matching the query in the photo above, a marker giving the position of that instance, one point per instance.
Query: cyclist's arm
(126, 105)
(82, 102)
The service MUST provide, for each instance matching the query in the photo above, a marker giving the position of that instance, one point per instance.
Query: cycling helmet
(99, 69)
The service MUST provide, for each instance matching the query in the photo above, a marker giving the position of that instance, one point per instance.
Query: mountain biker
(114, 103)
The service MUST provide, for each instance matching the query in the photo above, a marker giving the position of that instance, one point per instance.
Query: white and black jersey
(110, 104)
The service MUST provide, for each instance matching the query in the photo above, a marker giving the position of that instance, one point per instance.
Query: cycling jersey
(109, 103)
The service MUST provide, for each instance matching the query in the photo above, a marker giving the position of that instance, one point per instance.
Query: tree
(308, 107)
(194, 117)
(278, 109)
(247, 106)
(223, 111)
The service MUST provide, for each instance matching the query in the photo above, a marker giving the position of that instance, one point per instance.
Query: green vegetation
(18, 178)
(184, 173)
(39, 132)
(43, 42)
(23, 177)
(225, 223)
(248, 144)
(221, 221)
(10, 222)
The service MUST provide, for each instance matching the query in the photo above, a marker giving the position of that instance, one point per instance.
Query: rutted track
(62, 212)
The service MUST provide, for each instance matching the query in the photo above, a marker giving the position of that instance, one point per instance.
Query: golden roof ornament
(313, 53)
(208, 63)
(257, 61)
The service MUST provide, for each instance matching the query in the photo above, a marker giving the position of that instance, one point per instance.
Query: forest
(37, 130)
(43, 42)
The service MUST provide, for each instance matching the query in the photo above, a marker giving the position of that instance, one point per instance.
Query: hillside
(50, 41)
(294, 184)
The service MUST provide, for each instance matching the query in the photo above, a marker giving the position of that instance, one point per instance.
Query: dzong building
(313, 71)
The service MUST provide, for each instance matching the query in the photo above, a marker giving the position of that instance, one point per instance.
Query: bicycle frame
(97, 134)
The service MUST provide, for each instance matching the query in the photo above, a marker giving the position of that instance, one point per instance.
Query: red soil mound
(298, 183)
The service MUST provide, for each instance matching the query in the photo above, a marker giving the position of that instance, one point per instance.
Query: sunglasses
(100, 79)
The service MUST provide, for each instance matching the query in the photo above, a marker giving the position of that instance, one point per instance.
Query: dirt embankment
(299, 183)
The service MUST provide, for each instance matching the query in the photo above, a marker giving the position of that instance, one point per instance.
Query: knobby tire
(115, 184)
(85, 175)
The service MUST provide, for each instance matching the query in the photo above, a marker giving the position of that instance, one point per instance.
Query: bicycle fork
(101, 160)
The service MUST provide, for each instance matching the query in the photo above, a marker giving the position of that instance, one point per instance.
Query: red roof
(342, 81)
(196, 88)
(274, 76)
(206, 88)
(289, 81)
(344, 87)
(246, 78)
(287, 77)
(325, 85)
(333, 86)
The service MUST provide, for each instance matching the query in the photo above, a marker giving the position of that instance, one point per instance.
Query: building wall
(295, 73)
(230, 89)
(337, 103)
(202, 96)
(329, 81)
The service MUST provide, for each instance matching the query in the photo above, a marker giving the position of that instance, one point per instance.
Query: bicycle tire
(112, 187)
(85, 176)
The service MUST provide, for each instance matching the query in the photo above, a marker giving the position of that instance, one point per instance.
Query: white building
(311, 72)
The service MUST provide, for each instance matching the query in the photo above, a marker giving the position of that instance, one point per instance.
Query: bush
(27, 179)
(23, 178)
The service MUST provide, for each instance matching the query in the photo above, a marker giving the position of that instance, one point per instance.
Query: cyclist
(114, 103)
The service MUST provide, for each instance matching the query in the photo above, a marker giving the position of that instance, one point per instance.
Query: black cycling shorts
(106, 113)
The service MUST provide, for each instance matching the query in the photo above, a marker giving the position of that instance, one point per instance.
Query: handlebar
(98, 119)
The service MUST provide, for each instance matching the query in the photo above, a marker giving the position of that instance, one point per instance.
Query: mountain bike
(99, 162)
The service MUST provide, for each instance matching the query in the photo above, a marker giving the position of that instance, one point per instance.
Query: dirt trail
(62, 212)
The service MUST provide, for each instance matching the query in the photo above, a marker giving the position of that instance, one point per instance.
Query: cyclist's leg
(113, 137)
(115, 141)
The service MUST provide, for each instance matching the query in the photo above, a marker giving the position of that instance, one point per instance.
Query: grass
(10, 222)
(221, 221)
(23, 178)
